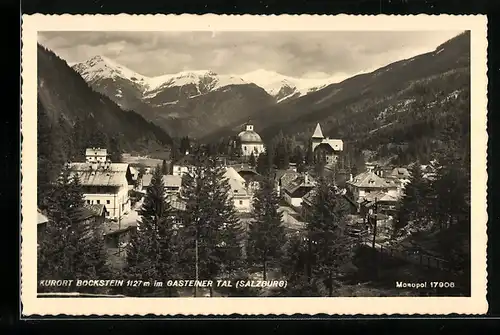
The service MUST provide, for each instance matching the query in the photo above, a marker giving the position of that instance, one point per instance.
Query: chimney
(350, 176)
(306, 178)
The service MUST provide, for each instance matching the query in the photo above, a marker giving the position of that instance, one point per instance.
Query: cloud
(299, 54)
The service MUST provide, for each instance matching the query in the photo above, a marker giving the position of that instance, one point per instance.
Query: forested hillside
(72, 117)
(400, 109)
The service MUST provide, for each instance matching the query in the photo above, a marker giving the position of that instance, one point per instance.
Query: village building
(104, 182)
(41, 226)
(251, 142)
(136, 180)
(294, 190)
(182, 166)
(324, 147)
(240, 193)
(283, 177)
(250, 175)
(368, 182)
(96, 155)
(172, 183)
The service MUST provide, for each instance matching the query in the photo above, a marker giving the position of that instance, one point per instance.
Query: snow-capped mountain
(284, 87)
(192, 102)
(102, 68)
(279, 86)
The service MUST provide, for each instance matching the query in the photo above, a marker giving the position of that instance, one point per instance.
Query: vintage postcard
(254, 165)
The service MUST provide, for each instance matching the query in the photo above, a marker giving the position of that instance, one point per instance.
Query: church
(251, 142)
(325, 147)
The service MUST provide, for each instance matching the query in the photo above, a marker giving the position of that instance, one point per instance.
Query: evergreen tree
(45, 168)
(213, 234)
(79, 139)
(185, 145)
(116, 148)
(328, 242)
(251, 160)
(282, 154)
(153, 249)
(266, 234)
(164, 167)
(415, 204)
(262, 164)
(309, 157)
(71, 249)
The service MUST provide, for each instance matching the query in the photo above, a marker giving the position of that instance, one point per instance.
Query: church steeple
(318, 133)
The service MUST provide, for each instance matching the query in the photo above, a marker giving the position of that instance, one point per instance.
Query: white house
(240, 194)
(182, 166)
(172, 183)
(369, 182)
(104, 182)
(93, 155)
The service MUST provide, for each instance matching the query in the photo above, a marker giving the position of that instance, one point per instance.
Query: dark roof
(83, 213)
(278, 174)
(98, 209)
(298, 183)
(184, 161)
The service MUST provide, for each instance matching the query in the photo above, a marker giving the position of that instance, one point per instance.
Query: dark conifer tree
(71, 248)
(266, 235)
(164, 167)
(212, 232)
(153, 250)
(252, 160)
(329, 244)
(309, 157)
(415, 204)
(116, 147)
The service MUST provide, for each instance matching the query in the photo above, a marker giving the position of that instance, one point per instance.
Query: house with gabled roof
(365, 183)
(240, 194)
(296, 189)
(104, 182)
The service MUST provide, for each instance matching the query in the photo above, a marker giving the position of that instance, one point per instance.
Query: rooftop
(369, 179)
(318, 133)
(113, 175)
(168, 180)
(41, 218)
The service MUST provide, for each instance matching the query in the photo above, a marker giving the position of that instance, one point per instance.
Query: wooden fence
(412, 257)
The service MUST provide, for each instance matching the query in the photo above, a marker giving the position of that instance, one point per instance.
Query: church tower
(317, 137)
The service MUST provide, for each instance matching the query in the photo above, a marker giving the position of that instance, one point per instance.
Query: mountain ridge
(381, 103)
(63, 93)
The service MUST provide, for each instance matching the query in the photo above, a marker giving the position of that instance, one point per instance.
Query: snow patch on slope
(273, 82)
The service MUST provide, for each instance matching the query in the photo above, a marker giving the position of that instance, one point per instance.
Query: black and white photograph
(226, 164)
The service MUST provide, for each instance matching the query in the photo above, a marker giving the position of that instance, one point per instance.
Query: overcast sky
(297, 54)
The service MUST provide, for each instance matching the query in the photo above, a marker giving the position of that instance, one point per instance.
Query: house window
(88, 202)
(235, 191)
(241, 202)
(98, 202)
(108, 202)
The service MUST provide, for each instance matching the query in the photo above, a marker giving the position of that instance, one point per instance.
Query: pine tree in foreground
(266, 236)
(153, 250)
(71, 249)
(329, 246)
(212, 232)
